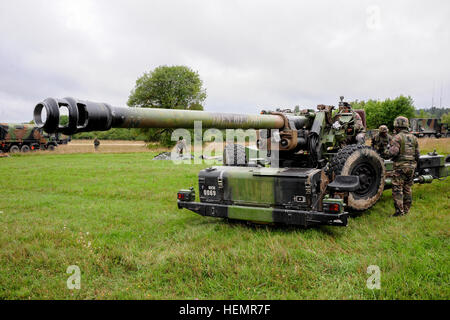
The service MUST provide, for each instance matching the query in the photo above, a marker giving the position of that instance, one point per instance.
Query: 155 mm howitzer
(307, 131)
(324, 169)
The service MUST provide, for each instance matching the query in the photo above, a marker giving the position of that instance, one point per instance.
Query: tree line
(384, 112)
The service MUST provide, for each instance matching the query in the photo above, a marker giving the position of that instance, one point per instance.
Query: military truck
(23, 138)
(312, 167)
(429, 128)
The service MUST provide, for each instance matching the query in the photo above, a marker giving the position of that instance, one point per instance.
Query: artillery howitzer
(322, 173)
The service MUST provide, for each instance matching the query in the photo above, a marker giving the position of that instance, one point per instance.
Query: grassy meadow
(114, 215)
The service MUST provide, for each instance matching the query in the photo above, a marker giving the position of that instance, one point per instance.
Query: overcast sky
(249, 54)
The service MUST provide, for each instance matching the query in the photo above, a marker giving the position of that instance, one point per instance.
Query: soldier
(359, 134)
(382, 142)
(181, 145)
(96, 143)
(405, 153)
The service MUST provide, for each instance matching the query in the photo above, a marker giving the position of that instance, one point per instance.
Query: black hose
(313, 141)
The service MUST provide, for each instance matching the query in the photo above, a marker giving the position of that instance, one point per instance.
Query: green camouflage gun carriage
(322, 172)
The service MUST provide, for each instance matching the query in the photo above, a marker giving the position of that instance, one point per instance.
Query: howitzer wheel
(234, 155)
(25, 148)
(362, 161)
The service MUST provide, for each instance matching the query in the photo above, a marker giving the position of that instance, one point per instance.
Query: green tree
(373, 113)
(400, 106)
(446, 118)
(168, 87)
(384, 112)
(63, 120)
(421, 113)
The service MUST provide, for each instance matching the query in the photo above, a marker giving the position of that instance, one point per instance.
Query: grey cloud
(250, 54)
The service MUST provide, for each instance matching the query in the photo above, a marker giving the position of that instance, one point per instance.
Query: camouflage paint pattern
(381, 144)
(244, 189)
(172, 118)
(262, 194)
(401, 122)
(264, 186)
(402, 181)
(428, 127)
(12, 133)
(87, 116)
(355, 130)
(405, 152)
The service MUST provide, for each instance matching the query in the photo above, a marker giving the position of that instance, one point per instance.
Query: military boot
(406, 207)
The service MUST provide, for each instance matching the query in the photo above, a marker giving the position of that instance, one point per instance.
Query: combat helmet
(344, 106)
(383, 129)
(401, 122)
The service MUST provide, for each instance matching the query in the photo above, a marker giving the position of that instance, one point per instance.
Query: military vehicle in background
(23, 138)
(429, 128)
(309, 170)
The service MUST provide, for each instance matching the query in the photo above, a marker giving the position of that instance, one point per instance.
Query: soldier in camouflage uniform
(405, 153)
(96, 143)
(181, 146)
(359, 135)
(382, 142)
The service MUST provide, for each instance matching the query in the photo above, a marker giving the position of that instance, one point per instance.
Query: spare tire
(234, 155)
(362, 161)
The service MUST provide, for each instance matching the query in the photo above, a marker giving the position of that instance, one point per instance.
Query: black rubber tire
(25, 148)
(51, 147)
(234, 155)
(363, 161)
(14, 149)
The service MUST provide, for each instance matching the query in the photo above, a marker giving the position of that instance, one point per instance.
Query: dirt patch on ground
(121, 146)
(106, 146)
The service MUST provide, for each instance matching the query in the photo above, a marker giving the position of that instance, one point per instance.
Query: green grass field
(115, 216)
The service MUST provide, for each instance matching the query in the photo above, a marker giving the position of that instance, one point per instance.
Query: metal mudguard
(266, 215)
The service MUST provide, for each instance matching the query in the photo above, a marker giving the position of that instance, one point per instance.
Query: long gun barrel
(92, 116)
